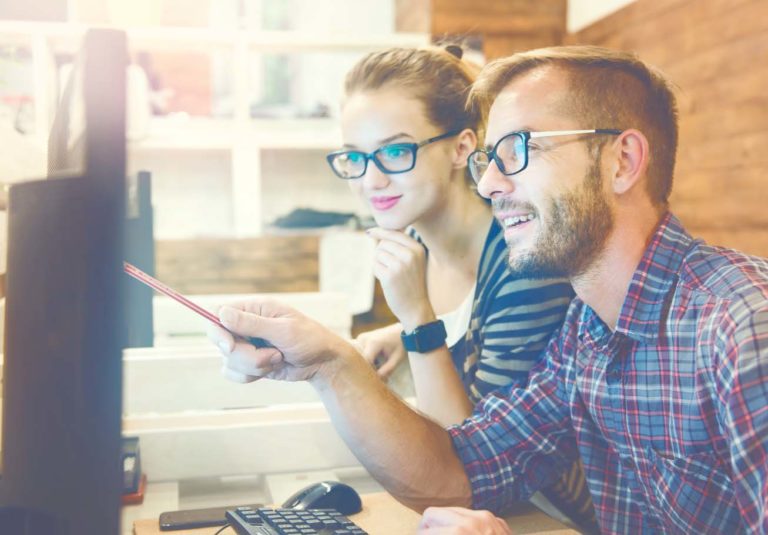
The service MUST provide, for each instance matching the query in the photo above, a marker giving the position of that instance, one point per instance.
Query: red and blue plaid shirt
(669, 412)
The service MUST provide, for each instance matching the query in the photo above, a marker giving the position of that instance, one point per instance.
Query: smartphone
(155, 284)
(197, 518)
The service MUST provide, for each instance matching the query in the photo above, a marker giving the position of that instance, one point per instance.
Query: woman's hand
(382, 348)
(461, 521)
(400, 265)
(302, 347)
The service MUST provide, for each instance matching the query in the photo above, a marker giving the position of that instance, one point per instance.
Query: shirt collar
(644, 310)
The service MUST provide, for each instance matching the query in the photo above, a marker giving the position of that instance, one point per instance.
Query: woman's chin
(389, 223)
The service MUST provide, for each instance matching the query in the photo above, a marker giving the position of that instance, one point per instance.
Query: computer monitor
(65, 324)
(139, 251)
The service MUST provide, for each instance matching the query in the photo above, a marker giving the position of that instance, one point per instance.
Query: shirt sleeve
(744, 413)
(518, 440)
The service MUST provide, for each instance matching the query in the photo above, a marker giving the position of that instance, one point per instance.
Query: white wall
(582, 13)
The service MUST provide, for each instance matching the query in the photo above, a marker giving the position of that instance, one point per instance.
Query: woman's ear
(630, 155)
(465, 143)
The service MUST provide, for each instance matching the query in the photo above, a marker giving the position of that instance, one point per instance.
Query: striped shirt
(512, 320)
(669, 411)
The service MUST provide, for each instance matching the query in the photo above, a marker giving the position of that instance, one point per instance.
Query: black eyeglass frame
(526, 136)
(371, 156)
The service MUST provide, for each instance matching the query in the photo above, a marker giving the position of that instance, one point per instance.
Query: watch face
(425, 338)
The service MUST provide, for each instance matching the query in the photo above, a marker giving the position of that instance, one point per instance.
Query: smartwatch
(425, 338)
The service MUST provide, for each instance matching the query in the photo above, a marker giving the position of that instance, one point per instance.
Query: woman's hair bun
(454, 50)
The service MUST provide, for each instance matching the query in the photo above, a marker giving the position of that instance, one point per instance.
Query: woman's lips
(384, 203)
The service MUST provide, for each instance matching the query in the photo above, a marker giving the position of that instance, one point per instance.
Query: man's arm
(411, 456)
(743, 377)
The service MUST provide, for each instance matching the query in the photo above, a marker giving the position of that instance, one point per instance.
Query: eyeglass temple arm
(572, 132)
(438, 138)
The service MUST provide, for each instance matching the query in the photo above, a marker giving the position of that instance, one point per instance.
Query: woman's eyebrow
(381, 142)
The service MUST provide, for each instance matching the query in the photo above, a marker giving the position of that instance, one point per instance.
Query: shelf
(231, 171)
(66, 37)
(222, 134)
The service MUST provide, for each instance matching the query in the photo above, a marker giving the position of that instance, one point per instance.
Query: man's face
(555, 213)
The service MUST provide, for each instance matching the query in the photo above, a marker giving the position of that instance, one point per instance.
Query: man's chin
(528, 266)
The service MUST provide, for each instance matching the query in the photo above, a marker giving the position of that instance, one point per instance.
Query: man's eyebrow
(524, 128)
(381, 142)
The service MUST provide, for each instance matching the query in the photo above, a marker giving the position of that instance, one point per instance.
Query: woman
(440, 253)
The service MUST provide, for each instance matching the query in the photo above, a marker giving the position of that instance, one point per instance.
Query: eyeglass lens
(510, 154)
(395, 158)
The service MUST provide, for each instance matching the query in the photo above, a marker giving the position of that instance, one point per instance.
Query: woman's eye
(354, 157)
(393, 153)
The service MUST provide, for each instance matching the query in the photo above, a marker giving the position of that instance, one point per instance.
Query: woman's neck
(455, 232)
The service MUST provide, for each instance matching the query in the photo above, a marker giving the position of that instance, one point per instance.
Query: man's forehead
(528, 100)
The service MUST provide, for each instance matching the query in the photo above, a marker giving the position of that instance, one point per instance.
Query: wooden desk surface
(383, 515)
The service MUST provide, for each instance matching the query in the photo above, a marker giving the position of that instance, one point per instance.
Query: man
(655, 378)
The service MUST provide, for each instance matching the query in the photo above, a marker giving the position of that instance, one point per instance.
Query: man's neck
(605, 283)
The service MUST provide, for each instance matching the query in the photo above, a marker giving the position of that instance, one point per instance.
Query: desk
(383, 515)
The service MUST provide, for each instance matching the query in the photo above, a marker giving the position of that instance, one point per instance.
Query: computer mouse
(327, 495)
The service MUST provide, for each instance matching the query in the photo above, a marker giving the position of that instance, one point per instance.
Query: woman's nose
(374, 178)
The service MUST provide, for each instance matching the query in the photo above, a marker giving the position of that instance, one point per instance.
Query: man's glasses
(390, 159)
(511, 152)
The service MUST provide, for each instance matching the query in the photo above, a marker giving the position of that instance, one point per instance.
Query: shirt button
(628, 463)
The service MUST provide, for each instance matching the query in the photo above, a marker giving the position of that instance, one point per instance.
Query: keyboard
(268, 521)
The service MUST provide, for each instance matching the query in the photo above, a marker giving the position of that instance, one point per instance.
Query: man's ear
(631, 156)
(465, 143)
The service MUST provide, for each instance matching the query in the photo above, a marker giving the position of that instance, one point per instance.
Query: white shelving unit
(223, 177)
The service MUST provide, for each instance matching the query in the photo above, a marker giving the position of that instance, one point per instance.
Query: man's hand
(460, 521)
(383, 348)
(400, 265)
(303, 347)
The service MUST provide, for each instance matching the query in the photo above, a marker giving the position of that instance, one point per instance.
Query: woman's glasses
(390, 159)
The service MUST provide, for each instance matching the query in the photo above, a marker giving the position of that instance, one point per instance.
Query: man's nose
(494, 182)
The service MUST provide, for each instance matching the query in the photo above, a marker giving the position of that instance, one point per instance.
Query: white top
(457, 320)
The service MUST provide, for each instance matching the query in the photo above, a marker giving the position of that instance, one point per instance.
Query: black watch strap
(425, 338)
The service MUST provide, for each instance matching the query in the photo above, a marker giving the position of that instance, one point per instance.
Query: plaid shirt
(669, 412)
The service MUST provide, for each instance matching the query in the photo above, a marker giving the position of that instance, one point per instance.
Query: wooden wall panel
(715, 52)
(412, 16)
(268, 264)
(505, 26)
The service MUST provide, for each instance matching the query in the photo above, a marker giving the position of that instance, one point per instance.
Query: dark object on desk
(311, 218)
(131, 458)
(266, 521)
(197, 518)
(326, 495)
(135, 498)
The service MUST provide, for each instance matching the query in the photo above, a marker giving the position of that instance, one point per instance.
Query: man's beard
(578, 227)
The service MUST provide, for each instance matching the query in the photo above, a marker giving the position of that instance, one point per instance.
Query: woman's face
(372, 119)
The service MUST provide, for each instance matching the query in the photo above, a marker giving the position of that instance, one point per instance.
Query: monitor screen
(65, 326)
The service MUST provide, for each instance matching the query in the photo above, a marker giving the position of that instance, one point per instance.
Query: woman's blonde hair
(436, 76)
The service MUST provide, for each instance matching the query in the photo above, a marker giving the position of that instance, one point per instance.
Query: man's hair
(440, 79)
(608, 89)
